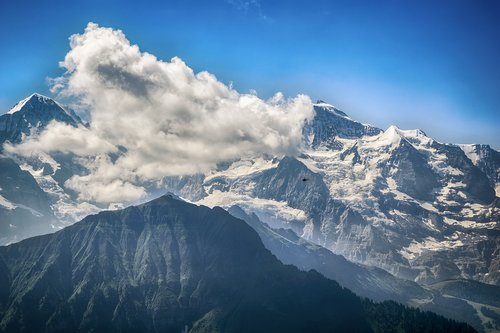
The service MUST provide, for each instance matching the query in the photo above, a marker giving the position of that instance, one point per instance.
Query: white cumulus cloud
(161, 117)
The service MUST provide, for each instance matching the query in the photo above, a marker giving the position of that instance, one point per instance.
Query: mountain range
(170, 266)
(412, 219)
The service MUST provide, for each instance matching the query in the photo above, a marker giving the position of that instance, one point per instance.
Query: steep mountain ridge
(331, 123)
(462, 300)
(169, 266)
(487, 160)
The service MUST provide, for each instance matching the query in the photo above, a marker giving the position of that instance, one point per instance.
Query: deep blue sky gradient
(432, 65)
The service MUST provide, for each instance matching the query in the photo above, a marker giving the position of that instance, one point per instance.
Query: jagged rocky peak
(42, 104)
(478, 153)
(487, 160)
(329, 107)
(32, 102)
(330, 123)
(34, 112)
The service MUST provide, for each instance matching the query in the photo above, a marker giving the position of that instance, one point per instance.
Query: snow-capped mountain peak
(329, 107)
(330, 124)
(19, 105)
(39, 103)
(414, 133)
(31, 102)
(34, 112)
(393, 135)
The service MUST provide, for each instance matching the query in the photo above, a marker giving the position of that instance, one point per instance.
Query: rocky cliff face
(24, 207)
(487, 160)
(330, 124)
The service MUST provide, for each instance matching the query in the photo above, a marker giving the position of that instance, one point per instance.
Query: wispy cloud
(249, 6)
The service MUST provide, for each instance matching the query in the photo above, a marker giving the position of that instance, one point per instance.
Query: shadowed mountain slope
(170, 266)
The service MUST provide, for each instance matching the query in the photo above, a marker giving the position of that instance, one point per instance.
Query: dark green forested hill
(391, 317)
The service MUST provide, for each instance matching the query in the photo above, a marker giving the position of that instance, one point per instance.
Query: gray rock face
(292, 182)
(477, 184)
(411, 172)
(189, 187)
(486, 159)
(24, 207)
(330, 123)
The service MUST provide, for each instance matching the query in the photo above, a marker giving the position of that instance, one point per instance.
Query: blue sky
(432, 65)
